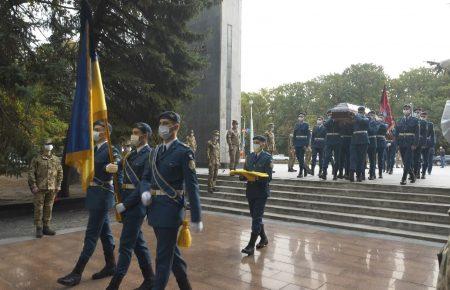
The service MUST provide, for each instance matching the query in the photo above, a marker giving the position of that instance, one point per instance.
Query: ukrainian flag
(89, 103)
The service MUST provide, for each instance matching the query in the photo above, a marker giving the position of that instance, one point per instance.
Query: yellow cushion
(249, 175)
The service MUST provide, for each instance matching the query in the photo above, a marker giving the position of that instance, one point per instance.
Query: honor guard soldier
(99, 200)
(213, 153)
(430, 142)
(318, 143)
(423, 124)
(234, 141)
(332, 146)
(301, 140)
(346, 130)
(381, 144)
(270, 137)
(44, 178)
(132, 210)
(359, 144)
(407, 136)
(391, 151)
(168, 176)
(291, 153)
(191, 142)
(257, 192)
(372, 149)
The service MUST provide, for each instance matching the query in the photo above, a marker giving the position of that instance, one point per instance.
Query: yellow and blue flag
(89, 103)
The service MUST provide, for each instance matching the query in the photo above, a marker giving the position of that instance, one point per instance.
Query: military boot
(149, 277)
(48, 231)
(351, 176)
(403, 181)
(413, 177)
(109, 269)
(264, 241)
(183, 283)
(39, 233)
(74, 277)
(250, 248)
(300, 174)
(423, 175)
(115, 282)
(380, 173)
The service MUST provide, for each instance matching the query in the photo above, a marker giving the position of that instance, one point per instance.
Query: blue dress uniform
(301, 140)
(423, 134)
(381, 147)
(430, 142)
(372, 148)
(391, 150)
(332, 147)
(359, 144)
(407, 135)
(169, 171)
(346, 137)
(318, 143)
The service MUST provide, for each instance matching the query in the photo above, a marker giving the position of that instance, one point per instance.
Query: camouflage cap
(48, 141)
(216, 132)
(235, 122)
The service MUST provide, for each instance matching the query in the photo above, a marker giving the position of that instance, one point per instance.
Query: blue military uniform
(169, 174)
(372, 148)
(423, 134)
(346, 140)
(359, 144)
(318, 143)
(301, 140)
(381, 147)
(407, 135)
(430, 143)
(391, 150)
(332, 146)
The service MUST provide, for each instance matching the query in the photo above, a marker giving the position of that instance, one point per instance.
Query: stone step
(353, 200)
(335, 224)
(362, 219)
(406, 214)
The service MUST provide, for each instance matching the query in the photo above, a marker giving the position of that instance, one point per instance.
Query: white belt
(160, 192)
(346, 136)
(93, 183)
(373, 136)
(128, 186)
(407, 134)
(381, 136)
(359, 132)
(334, 134)
(302, 137)
(319, 139)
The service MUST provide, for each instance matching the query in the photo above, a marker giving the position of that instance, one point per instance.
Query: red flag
(385, 108)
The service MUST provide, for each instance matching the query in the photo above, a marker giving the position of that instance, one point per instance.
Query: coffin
(344, 112)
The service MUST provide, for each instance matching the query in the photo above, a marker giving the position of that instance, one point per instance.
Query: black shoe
(183, 283)
(264, 241)
(115, 282)
(290, 170)
(109, 269)
(423, 176)
(48, 232)
(324, 176)
(403, 182)
(250, 248)
(391, 172)
(335, 177)
(371, 178)
(340, 176)
(380, 176)
(312, 172)
(149, 277)
(39, 233)
(351, 176)
(74, 277)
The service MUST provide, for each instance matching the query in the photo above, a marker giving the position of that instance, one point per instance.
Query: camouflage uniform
(233, 141)
(213, 153)
(291, 153)
(270, 136)
(46, 175)
(191, 142)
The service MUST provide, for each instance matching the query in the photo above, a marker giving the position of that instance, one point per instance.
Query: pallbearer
(359, 143)
(372, 149)
(346, 130)
(301, 140)
(257, 192)
(332, 146)
(381, 144)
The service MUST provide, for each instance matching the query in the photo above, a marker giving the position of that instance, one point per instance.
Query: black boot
(264, 241)
(74, 277)
(109, 269)
(115, 282)
(423, 175)
(39, 233)
(335, 177)
(403, 181)
(149, 277)
(183, 283)
(312, 171)
(358, 177)
(413, 177)
(391, 171)
(324, 175)
(290, 170)
(48, 231)
(300, 174)
(351, 176)
(250, 249)
(380, 174)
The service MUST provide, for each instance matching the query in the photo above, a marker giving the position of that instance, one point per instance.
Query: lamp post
(251, 125)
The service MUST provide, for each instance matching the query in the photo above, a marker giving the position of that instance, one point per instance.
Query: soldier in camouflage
(270, 136)
(191, 142)
(234, 141)
(213, 153)
(44, 178)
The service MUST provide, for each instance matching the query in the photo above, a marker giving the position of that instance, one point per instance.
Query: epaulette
(184, 144)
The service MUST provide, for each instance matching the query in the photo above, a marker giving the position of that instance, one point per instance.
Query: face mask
(164, 132)
(48, 147)
(96, 136)
(319, 123)
(406, 112)
(301, 119)
(256, 147)
(134, 140)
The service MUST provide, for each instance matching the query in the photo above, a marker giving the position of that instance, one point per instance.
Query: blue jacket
(374, 125)
(431, 139)
(423, 132)
(260, 163)
(381, 135)
(333, 132)
(177, 166)
(360, 128)
(346, 131)
(407, 131)
(131, 198)
(318, 137)
(101, 197)
(302, 135)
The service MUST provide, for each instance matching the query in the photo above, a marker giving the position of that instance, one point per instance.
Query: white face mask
(406, 112)
(134, 140)
(164, 132)
(256, 147)
(301, 119)
(96, 136)
(48, 147)
(319, 123)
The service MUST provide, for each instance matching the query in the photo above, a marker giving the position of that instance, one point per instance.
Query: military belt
(93, 183)
(381, 136)
(160, 192)
(346, 136)
(319, 139)
(359, 132)
(406, 134)
(373, 136)
(128, 186)
(334, 134)
(301, 137)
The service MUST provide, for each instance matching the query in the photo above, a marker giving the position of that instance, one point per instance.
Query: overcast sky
(286, 41)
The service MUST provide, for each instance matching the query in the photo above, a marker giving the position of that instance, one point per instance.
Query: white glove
(120, 208)
(112, 168)
(388, 144)
(146, 198)
(197, 227)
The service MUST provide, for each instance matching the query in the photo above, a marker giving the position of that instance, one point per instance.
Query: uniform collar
(141, 147)
(167, 145)
(101, 144)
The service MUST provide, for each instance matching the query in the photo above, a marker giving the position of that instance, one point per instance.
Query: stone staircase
(406, 211)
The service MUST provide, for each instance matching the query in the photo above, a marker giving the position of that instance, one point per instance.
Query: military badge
(192, 165)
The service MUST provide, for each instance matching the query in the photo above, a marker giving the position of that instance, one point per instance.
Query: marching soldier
(381, 144)
(332, 146)
(168, 176)
(233, 141)
(270, 137)
(133, 211)
(318, 143)
(423, 134)
(44, 178)
(291, 153)
(308, 157)
(346, 139)
(191, 142)
(372, 149)
(301, 140)
(213, 153)
(257, 193)
(391, 150)
(407, 136)
(359, 144)
(429, 143)
(99, 200)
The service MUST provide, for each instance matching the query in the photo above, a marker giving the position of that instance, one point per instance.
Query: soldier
(270, 137)
(257, 193)
(332, 146)
(374, 125)
(398, 158)
(429, 143)
(168, 176)
(301, 139)
(233, 141)
(132, 210)
(359, 144)
(381, 144)
(318, 143)
(191, 142)
(407, 136)
(44, 178)
(291, 154)
(423, 134)
(346, 130)
(391, 150)
(99, 200)
(308, 157)
(213, 153)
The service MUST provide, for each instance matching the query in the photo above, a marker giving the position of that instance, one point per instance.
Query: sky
(286, 41)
